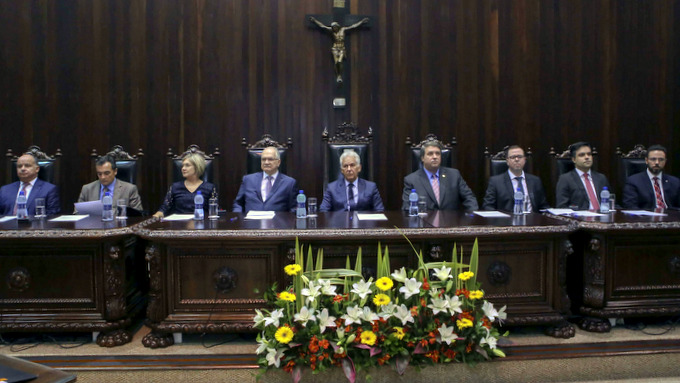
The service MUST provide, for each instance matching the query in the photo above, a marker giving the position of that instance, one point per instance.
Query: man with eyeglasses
(580, 188)
(349, 192)
(500, 194)
(652, 189)
(267, 190)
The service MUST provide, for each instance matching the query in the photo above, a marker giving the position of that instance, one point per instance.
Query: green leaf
(474, 262)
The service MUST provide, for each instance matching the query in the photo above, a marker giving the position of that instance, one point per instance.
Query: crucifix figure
(338, 34)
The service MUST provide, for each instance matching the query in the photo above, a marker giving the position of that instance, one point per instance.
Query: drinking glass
(422, 204)
(612, 201)
(311, 207)
(121, 209)
(212, 209)
(40, 208)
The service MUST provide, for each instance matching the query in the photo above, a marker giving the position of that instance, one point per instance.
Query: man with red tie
(652, 189)
(27, 170)
(580, 188)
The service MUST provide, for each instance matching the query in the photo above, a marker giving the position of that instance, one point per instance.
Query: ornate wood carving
(638, 151)
(562, 330)
(631, 312)
(155, 310)
(429, 138)
(114, 338)
(267, 141)
(674, 266)
(225, 279)
(158, 340)
(347, 132)
(212, 327)
(114, 277)
(499, 273)
(436, 253)
(63, 326)
(593, 290)
(567, 251)
(18, 279)
(192, 149)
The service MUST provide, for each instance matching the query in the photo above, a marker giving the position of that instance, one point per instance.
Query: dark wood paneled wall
(159, 74)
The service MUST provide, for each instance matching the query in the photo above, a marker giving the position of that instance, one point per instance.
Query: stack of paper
(256, 214)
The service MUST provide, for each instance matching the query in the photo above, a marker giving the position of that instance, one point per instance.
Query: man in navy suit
(580, 188)
(350, 192)
(500, 194)
(27, 170)
(267, 190)
(443, 187)
(652, 189)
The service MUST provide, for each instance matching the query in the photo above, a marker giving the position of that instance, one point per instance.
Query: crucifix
(338, 24)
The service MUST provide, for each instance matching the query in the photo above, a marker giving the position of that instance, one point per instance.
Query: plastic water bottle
(199, 214)
(301, 211)
(604, 200)
(107, 207)
(519, 202)
(413, 203)
(22, 211)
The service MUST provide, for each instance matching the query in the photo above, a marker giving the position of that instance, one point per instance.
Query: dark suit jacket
(41, 189)
(638, 192)
(453, 191)
(282, 198)
(335, 197)
(500, 195)
(571, 192)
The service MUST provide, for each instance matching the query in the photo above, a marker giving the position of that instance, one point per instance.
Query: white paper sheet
(556, 211)
(587, 213)
(69, 218)
(643, 213)
(89, 207)
(371, 217)
(491, 214)
(257, 214)
(178, 217)
(8, 218)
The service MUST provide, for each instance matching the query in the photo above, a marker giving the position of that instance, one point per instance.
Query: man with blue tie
(107, 182)
(652, 189)
(268, 190)
(443, 188)
(27, 170)
(350, 192)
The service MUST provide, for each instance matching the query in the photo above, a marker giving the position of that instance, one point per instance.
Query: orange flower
(434, 355)
(289, 366)
(414, 311)
(463, 292)
(324, 343)
(337, 298)
(423, 302)
(426, 285)
(450, 354)
(423, 342)
(468, 348)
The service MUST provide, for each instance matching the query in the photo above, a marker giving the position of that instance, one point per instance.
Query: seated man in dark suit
(27, 170)
(652, 189)
(500, 194)
(267, 190)
(579, 189)
(444, 187)
(350, 192)
(107, 182)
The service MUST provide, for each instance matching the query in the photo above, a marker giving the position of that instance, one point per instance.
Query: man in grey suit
(443, 187)
(579, 189)
(107, 182)
(500, 194)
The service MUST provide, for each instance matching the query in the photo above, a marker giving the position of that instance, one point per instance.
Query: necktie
(591, 193)
(23, 189)
(659, 197)
(106, 190)
(435, 186)
(350, 197)
(268, 187)
(524, 192)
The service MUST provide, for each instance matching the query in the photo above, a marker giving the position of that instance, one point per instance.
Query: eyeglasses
(515, 158)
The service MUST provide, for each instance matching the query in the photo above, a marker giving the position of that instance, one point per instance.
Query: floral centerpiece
(334, 317)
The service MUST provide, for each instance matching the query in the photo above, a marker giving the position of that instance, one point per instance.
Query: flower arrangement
(334, 317)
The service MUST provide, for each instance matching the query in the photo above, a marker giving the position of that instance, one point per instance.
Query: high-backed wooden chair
(449, 158)
(49, 165)
(175, 165)
(497, 163)
(347, 136)
(127, 165)
(629, 164)
(562, 163)
(254, 153)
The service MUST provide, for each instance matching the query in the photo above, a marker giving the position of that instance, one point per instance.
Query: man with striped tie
(652, 189)
(444, 188)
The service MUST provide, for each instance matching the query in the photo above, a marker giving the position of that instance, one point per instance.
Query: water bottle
(604, 200)
(301, 211)
(519, 202)
(22, 211)
(413, 203)
(199, 214)
(107, 207)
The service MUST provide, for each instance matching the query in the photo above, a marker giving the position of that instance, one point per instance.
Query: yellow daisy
(381, 299)
(399, 333)
(293, 269)
(286, 296)
(466, 275)
(463, 323)
(384, 283)
(368, 338)
(284, 334)
(476, 294)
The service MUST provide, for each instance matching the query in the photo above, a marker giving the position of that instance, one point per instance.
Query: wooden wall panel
(157, 74)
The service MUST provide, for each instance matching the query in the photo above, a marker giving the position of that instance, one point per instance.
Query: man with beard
(652, 189)
(580, 188)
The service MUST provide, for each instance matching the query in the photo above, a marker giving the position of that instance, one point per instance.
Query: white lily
(327, 288)
(311, 292)
(489, 339)
(362, 288)
(404, 315)
(502, 315)
(274, 318)
(325, 320)
(446, 334)
(434, 292)
(399, 275)
(353, 315)
(454, 304)
(411, 287)
(439, 305)
(274, 357)
(387, 310)
(368, 315)
(263, 344)
(443, 274)
(258, 318)
(305, 315)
